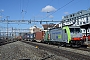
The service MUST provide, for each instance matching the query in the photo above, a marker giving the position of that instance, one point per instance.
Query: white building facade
(80, 18)
(35, 29)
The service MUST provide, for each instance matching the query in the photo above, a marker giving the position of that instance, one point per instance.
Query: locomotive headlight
(81, 38)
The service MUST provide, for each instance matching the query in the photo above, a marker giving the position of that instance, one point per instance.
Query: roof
(86, 26)
(46, 26)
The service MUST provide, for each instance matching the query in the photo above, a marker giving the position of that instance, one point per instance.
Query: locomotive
(66, 36)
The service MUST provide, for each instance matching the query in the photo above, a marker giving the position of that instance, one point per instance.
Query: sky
(38, 10)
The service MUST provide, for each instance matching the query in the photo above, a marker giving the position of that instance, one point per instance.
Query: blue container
(32, 36)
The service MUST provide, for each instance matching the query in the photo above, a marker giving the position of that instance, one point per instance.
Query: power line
(23, 10)
(50, 2)
(25, 21)
(27, 5)
(59, 9)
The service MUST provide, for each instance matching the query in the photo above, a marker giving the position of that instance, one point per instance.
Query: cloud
(1, 10)
(51, 16)
(39, 16)
(48, 9)
(0, 16)
(66, 13)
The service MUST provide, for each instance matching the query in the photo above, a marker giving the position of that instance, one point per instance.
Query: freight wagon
(71, 36)
(29, 36)
(32, 36)
(39, 36)
(46, 36)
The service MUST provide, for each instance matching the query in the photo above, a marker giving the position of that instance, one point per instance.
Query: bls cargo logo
(58, 37)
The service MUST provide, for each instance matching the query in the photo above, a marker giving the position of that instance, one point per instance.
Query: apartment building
(79, 18)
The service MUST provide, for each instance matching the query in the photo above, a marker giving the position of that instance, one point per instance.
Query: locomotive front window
(72, 30)
(75, 30)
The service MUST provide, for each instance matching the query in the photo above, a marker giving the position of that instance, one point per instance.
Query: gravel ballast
(67, 49)
(19, 50)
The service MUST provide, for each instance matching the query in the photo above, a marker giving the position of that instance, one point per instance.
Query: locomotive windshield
(75, 30)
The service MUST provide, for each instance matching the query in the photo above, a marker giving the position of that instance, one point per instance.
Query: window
(79, 17)
(67, 20)
(89, 14)
(82, 16)
(70, 15)
(80, 22)
(75, 30)
(66, 16)
(88, 30)
(85, 14)
(80, 13)
(70, 19)
(77, 22)
(83, 30)
(72, 30)
(74, 18)
(65, 30)
(86, 19)
(83, 22)
(73, 14)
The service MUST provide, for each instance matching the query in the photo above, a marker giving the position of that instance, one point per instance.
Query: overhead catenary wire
(23, 7)
(58, 9)
(27, 5)
(50, 2)
(39, 12)
(49, 14)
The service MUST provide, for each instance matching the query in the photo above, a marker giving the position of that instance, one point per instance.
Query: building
(35, 29)
(79, 18)
(49, 26)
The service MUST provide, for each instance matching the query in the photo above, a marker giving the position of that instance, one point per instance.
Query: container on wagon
(39, 36)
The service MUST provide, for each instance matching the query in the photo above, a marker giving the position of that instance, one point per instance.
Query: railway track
(83, 49)
(3, 42)
(57, 51)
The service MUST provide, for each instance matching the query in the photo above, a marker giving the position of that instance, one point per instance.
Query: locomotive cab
(76, 36)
